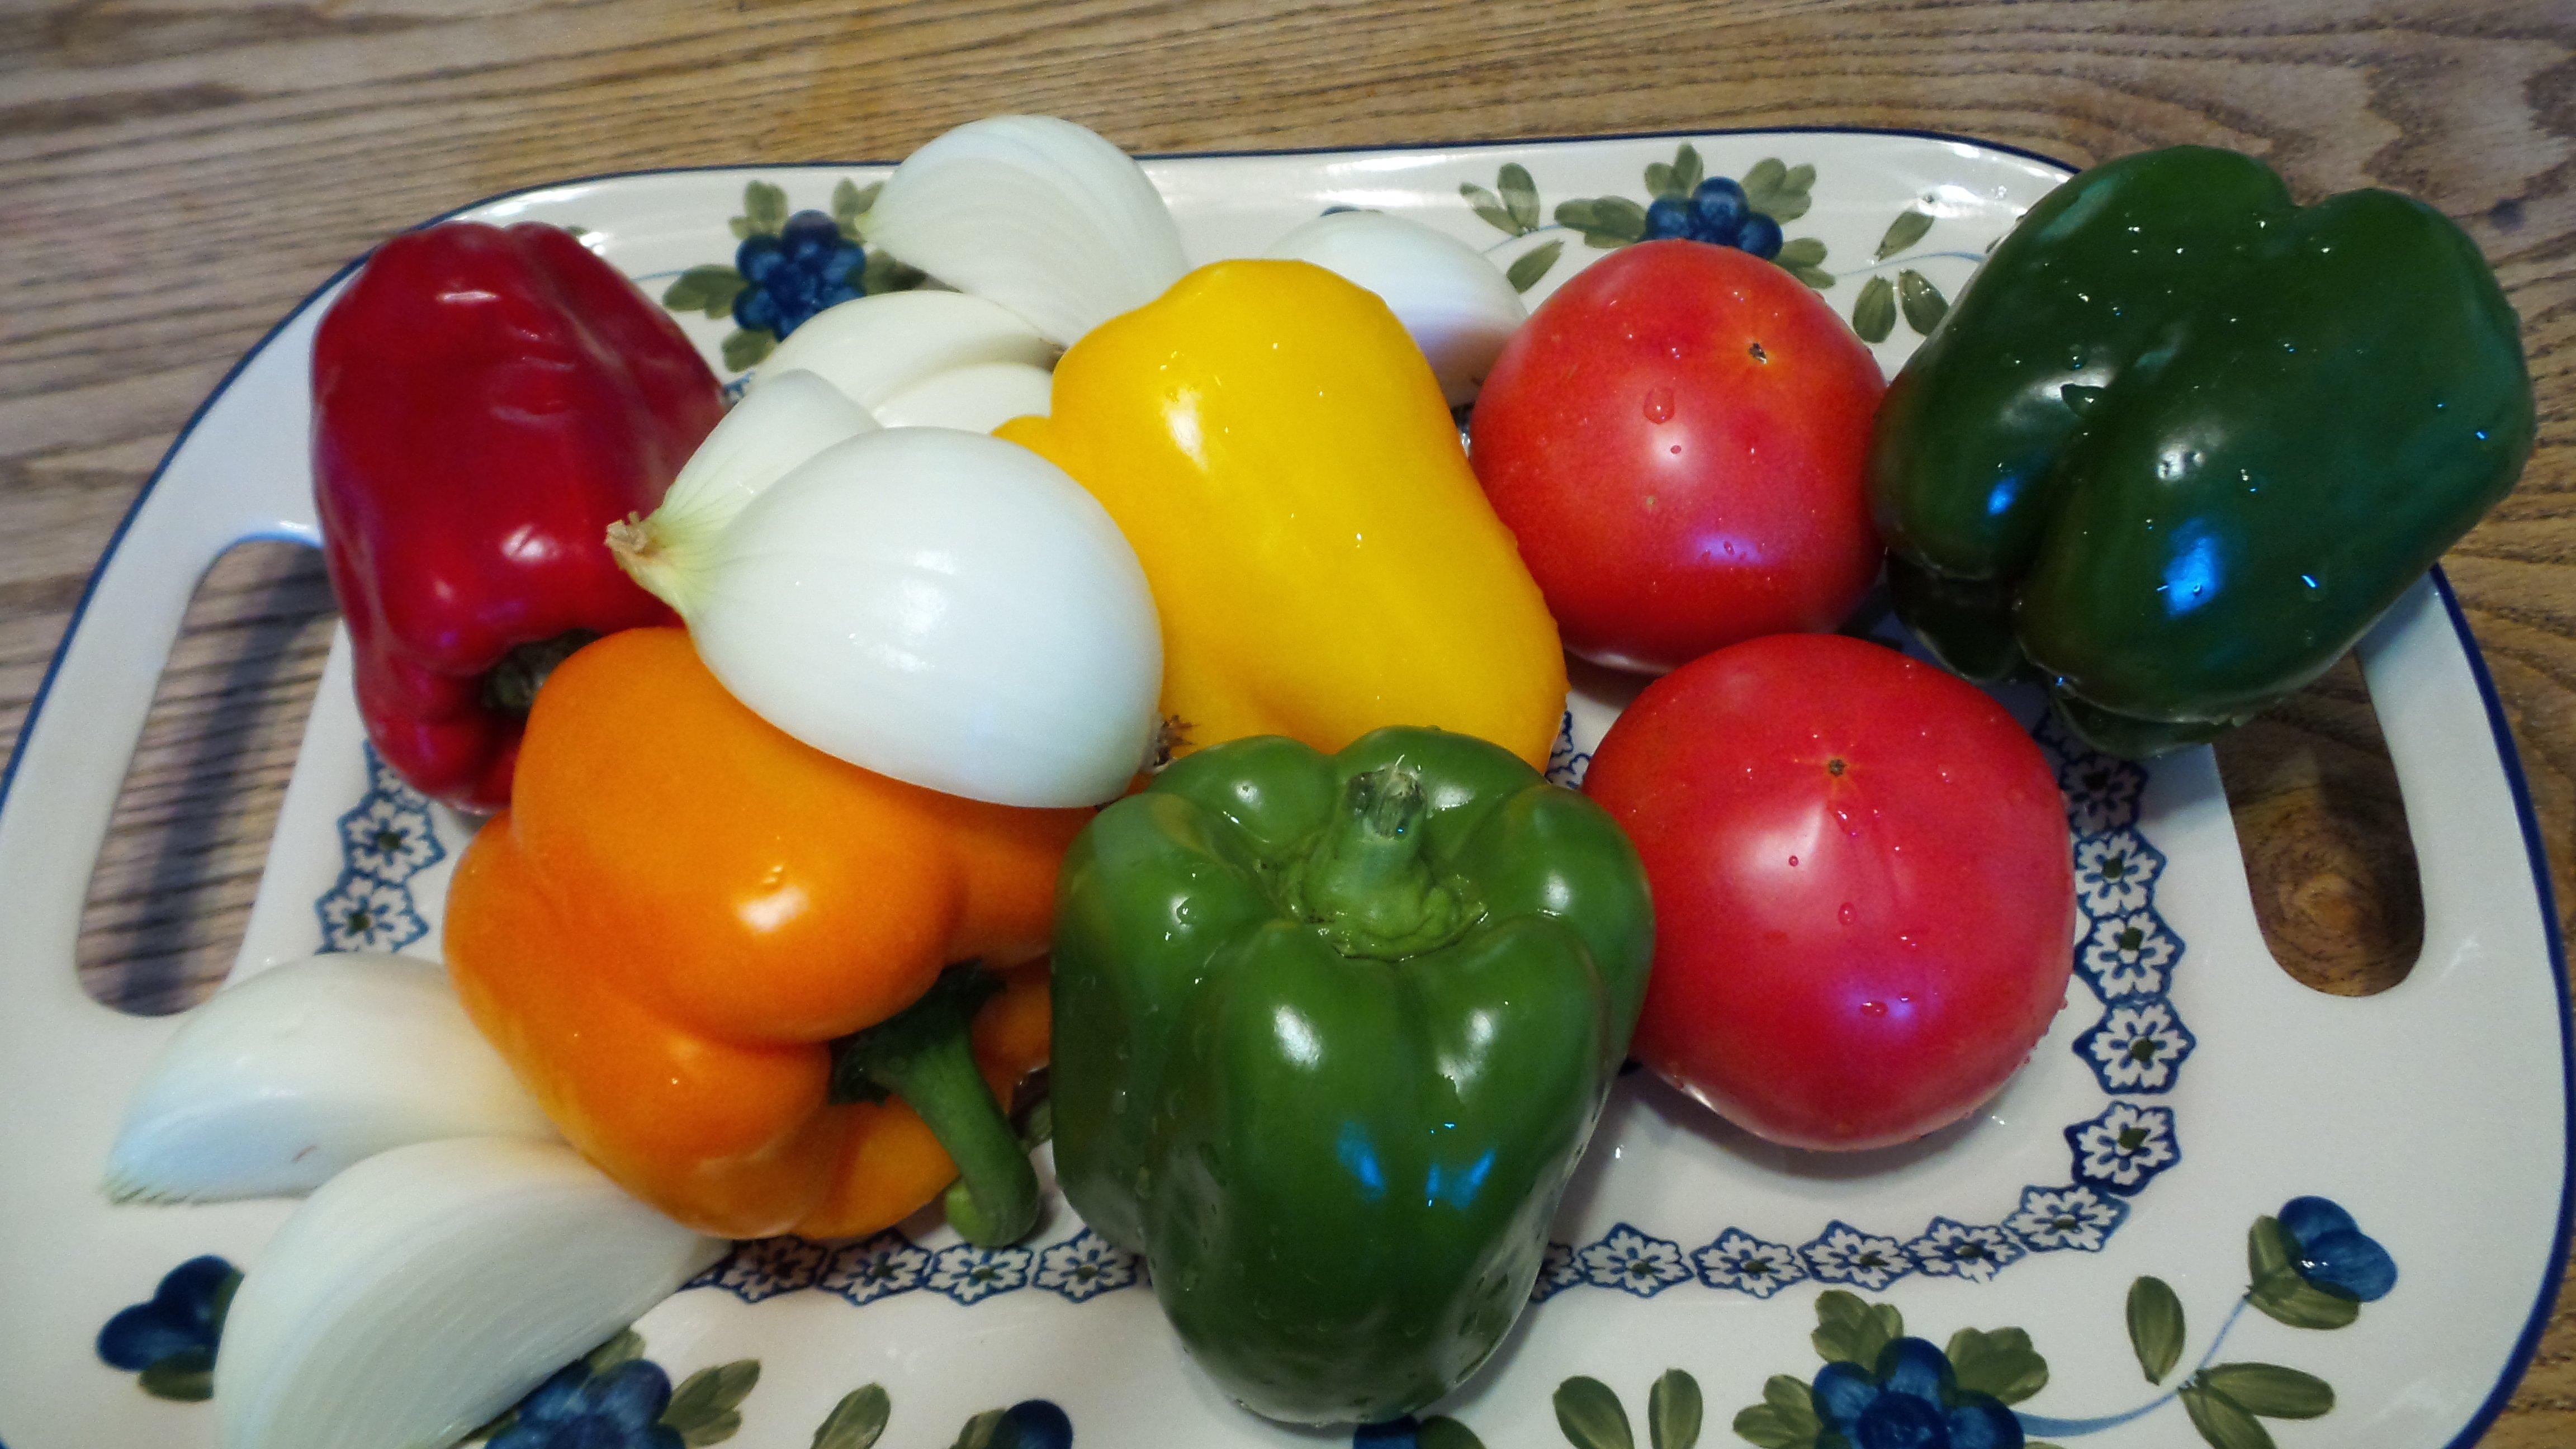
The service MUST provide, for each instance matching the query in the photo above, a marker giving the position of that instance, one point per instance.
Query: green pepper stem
(1366, 882)
(925, 1056)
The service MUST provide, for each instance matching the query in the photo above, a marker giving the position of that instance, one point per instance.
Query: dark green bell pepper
(2182, 441)
(1330, 1033)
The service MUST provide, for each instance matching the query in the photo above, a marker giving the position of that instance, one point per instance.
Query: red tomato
(1676, 437)
(1864, 897)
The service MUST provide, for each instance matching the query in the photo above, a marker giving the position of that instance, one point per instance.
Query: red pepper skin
(486, 402)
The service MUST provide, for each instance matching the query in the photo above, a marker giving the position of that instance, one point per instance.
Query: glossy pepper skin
(1275, 447)
(486, 402)
(2182, 441)
(709, 950)
(1331, 1034)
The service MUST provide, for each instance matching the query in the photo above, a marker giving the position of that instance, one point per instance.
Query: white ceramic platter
(2188, 1089)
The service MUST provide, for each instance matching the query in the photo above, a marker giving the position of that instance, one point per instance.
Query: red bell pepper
(486, 402)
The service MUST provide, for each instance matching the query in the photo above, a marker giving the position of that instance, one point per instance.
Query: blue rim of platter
(2525, 1347)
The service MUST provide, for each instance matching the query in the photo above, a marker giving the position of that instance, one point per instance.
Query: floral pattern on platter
(1748, 214)
(385, 839)
(1077, 1269)
(168, 1341)
(787, 267)
(2309, 1266)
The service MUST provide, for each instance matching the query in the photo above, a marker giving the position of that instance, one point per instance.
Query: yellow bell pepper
(1280, 456)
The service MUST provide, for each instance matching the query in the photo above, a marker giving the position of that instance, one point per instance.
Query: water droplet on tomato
(1793, 862)
(1873, 1008)
(1846, 913)
(1659, 405)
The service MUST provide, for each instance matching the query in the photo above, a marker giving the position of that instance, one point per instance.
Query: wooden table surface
(176, 174)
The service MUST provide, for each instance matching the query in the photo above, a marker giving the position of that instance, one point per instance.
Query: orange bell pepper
(711, 952)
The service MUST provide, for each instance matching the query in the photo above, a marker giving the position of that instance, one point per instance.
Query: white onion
(792, 416)
(878, 350)
(281, 1080)
(428, 1288)
(1457, 305)
(976, 399)
(1036, 213)
(935, 605)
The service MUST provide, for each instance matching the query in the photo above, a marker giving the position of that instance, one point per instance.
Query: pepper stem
(1366, 883)
(924, 1055)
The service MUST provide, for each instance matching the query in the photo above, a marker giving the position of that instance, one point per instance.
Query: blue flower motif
(1041, 1425)
(1747, 1264)
(2332, 1253)
(875, 1268)
(2124, 1148)
(971, 1274)
(2128, 955)
(766, 1267)
(183, 1319)
(576, 1409)
(789, 277)
(389, 838)
(1845, 1254)
(2054, 1218)
(1086, 1265)
(1565, 765)
(1404, 1433)
(362, 913)
(1910, 1400)
(1715, 212)
(1633, 1262)
(2101, 792)
(1961, 1250)
(1557, 1271)
(2115, 872)
(2136, 1048)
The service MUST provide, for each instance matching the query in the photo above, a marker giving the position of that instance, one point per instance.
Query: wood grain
(175, 174)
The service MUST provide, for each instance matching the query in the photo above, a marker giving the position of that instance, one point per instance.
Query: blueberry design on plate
(787, 267)
(2308, 1266)
(1748, 214)
(614, 1397)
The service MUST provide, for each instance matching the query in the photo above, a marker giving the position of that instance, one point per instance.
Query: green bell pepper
(2182, 441)
(1330, 1033)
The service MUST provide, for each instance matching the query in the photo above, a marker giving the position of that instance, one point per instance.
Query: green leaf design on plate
(1605, 221)
(850, 203)
(2155, 1327)
(1924, 305)
(1786, 1417)
(1529, 266)
(882, 273)
(708, 289)
(1673, 1404)
(626, 1347)
(702, 1408)
(1904, 232)
(187, 1376)
(991, 1429)
(1850, 1330)
(1874, 315)
(1678, 177)
(743, 349)
(2221, 1420)
(857, 1421)
(2270, 1390)
(1777, 189)
(764, 211)
(2001, 1363)
(1442, 1432)
(1489, 206)
(1520, 195)
(1590, 1415)
(2277, 1288)
(1803, 258)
